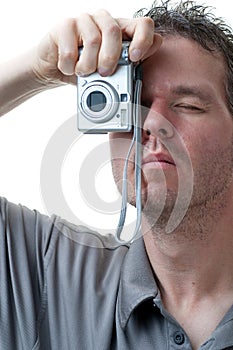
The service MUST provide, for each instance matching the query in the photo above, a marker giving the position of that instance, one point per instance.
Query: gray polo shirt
(64, 287)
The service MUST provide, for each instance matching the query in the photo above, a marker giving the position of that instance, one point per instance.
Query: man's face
(187, 139)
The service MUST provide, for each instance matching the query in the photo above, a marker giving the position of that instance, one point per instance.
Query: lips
(160, 159)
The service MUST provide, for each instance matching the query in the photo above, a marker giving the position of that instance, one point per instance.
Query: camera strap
(136, 141)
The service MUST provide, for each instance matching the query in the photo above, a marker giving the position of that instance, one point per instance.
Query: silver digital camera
(105, 103)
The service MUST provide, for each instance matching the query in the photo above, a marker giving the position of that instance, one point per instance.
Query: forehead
(181, 61)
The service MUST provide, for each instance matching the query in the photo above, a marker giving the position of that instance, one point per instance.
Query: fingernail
(135, 55)
(104, 71)
(80, 74)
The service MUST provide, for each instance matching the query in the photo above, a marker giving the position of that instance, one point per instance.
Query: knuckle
(101, 12)
(94, 40)
(68, 55)
(84, 16)
(147, 21)
(114, 29)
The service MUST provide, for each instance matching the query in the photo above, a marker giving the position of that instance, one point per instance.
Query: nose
(156, 126)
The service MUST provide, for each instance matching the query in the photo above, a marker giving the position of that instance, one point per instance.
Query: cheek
(206, 140)
(211, 153)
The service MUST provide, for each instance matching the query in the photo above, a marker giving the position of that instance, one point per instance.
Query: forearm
(18, 82)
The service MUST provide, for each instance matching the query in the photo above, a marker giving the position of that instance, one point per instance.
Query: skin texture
(55, 60)
(188, 102)
(189, 123)
(186, 98)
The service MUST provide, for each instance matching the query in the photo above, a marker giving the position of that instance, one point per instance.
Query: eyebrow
(182, 90)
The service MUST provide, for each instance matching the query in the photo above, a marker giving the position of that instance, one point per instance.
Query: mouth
(158, 161)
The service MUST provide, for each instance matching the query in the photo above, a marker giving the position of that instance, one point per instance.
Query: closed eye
(190, 108)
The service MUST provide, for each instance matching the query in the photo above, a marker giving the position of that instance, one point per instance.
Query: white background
(25, 131)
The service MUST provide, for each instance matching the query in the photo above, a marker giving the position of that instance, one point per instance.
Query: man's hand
(57, 60)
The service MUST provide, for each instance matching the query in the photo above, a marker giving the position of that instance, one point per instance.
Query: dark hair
(197, 22)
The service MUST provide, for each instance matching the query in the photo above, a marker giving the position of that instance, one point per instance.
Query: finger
(65, 37)
(111, 44)
(90, 37)
(141, 32)
(157, 42)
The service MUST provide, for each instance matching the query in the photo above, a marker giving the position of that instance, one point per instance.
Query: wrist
(19, 81)
(41, 75)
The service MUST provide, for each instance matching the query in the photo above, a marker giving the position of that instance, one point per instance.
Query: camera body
(105, 104)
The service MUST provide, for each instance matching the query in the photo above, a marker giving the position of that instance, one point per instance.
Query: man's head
(187, 119)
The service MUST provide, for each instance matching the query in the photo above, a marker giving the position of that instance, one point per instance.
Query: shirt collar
(137, 281)
(138, 284)
(223, 335)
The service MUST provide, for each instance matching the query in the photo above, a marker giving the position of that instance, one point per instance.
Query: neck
(193, 266)
(201, 246)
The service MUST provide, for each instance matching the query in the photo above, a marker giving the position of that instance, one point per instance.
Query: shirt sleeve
(25, 238)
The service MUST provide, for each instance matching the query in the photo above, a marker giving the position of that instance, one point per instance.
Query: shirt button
(179, 338)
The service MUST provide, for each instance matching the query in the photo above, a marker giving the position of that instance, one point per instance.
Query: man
(64, 287)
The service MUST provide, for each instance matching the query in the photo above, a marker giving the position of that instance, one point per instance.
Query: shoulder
(85, 236)
(20, 221)
(81, 246)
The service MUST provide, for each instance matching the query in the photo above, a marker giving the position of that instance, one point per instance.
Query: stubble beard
(211, 185)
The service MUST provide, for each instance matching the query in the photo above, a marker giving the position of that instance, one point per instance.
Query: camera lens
(96, 101)
(99, 101)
